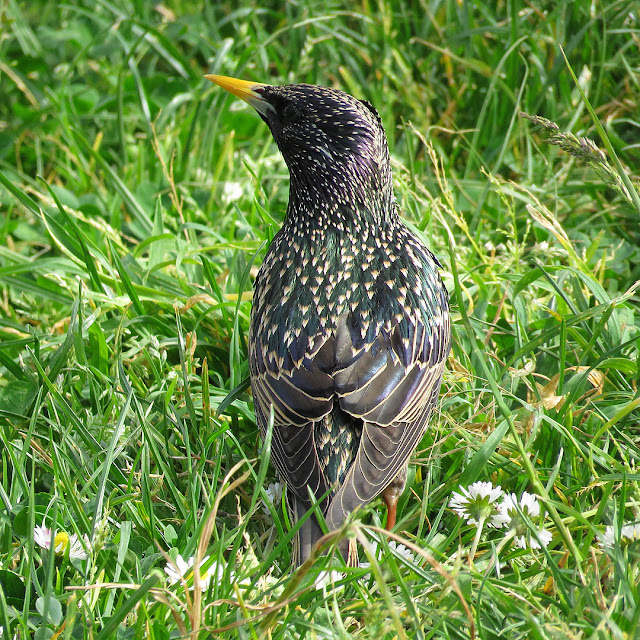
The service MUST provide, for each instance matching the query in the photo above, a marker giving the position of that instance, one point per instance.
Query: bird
(350, 326)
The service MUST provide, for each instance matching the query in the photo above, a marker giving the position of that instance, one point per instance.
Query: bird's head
(333, 143)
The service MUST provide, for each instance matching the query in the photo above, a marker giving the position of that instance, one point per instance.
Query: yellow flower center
(60, 543)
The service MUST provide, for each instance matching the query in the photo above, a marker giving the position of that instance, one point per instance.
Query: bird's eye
(290, 113)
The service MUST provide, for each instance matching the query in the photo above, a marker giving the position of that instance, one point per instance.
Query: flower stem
(496, 553)
(476, 540)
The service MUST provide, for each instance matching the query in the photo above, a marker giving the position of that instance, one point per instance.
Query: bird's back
(350, 329)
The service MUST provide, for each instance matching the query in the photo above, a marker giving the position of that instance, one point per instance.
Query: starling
(350, 325)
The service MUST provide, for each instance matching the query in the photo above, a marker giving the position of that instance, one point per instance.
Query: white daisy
(232, 191)
(274, 496)
(183, 570)
(513, 508)
(397, 548)
(514, 511)
(478, 504)
(628, 533)
(62, 542)
(608, 538)
(402, 551)
(326, 579)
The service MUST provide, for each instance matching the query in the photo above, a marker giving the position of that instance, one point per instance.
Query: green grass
(136, 202)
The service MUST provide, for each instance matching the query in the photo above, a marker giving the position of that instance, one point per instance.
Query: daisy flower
(402, 551)
(62, 542)
(478, 504)
(515, 512)
(327, 579)
(274, 496)
(397, 548)
(628, 533)
(232, 191)
(182, 569)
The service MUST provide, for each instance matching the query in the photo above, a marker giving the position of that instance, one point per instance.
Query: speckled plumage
(350, 324)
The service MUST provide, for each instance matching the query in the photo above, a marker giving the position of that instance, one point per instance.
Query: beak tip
(243, 89)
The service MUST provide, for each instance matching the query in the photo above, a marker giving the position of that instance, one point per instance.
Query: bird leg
(392, 494)
(392, 507)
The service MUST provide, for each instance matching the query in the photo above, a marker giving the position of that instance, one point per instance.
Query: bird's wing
(300, 396)
(389, 385)
(392, 385)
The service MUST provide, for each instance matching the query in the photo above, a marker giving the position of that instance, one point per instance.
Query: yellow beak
(245, 90)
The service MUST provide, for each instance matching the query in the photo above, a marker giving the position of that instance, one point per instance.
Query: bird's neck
(335, 197)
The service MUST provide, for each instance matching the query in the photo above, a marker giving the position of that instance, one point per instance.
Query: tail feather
(308, 534)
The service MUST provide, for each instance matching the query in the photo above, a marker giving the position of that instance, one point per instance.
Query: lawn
(136, 204)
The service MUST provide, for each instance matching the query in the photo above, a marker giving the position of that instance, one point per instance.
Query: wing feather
(395, 410)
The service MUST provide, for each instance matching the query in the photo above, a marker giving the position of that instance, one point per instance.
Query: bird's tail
(309, 534)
